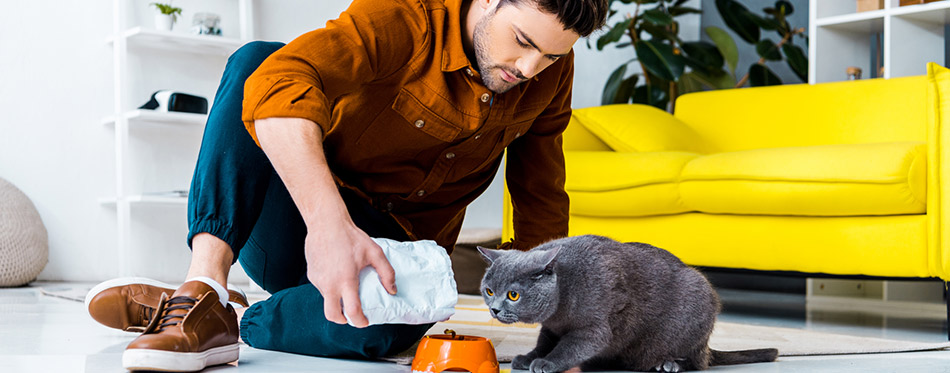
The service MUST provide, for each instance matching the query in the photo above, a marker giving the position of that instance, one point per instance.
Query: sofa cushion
(825, 180)
(624, 184)
(638, 128)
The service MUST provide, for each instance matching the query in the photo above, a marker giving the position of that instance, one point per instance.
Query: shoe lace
(147, 313)
(176, 303)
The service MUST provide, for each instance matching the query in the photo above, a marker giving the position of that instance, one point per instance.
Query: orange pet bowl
(455, 353)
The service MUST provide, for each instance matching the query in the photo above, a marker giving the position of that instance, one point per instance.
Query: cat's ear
(488, 255)
(549, 259)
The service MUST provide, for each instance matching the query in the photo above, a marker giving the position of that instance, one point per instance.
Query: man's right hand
(335, 258)
(335, 248)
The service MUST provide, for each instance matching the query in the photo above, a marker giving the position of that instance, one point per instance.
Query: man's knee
(252, 54)
(377, 341)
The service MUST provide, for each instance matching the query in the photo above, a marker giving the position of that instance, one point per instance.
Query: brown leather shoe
(128, 303)
(190, 331)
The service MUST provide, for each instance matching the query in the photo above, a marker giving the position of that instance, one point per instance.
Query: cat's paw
(521, 362)
(542, 366)
(669, 367)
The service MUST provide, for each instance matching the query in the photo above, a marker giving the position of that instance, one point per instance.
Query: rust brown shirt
(409, 125)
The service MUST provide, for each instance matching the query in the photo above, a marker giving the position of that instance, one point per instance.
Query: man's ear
(486, 4)
(489, 255)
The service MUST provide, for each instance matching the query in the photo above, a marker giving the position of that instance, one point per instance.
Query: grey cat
(604, 305)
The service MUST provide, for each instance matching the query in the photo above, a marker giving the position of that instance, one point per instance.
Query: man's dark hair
(581, 16)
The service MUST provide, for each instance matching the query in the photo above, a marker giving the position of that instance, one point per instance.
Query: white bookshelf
(839, 37)
(155, 152)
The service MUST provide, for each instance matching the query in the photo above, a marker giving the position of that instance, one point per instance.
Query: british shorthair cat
(604, 305)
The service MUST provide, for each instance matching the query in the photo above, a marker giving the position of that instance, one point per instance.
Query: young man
(386, 123)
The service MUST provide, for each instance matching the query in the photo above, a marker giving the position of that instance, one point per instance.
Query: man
(386, 123)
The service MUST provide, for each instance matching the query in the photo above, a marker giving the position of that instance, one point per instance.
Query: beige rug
(472, 318)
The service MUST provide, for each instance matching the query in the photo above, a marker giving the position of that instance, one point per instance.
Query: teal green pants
(237, 196)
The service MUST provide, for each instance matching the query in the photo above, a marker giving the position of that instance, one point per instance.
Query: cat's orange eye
(489, 292)
(514, 296)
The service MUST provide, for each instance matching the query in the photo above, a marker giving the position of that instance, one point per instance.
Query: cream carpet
(472, 318)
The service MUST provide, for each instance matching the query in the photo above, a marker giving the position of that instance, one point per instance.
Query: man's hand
(335, 248)
(335, 258)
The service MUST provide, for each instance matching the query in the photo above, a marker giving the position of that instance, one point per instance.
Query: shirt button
(420, 123)
(485, 97)
(469, 72)
(421, 193)
(450, 155)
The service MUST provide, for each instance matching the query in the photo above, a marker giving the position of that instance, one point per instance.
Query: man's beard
(480, 42)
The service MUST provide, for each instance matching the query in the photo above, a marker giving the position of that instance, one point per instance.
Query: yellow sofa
(839, 178)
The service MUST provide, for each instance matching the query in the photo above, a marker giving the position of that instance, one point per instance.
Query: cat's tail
(763, 355)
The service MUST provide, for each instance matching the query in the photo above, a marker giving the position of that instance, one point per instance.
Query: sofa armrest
(938, 169)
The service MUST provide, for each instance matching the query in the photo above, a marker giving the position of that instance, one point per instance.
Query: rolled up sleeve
(369, 41)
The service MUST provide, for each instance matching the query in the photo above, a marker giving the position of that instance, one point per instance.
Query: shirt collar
(453, 51)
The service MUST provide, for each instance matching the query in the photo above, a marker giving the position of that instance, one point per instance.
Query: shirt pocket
(424, 119)
(501, 140)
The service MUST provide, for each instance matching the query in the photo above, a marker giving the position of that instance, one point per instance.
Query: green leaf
(725, 44)
(623, 45)
(658, 17)
(796, 60)
(613, 84)
(650, 95)
(760, 75)
(615, 33)
(659, 60)
(701, 55)
(784, 7)
(688, 83)
(717, 80)
(625, 92)
(768, 50)
(678, 11)
(739, 19)
(766, 23)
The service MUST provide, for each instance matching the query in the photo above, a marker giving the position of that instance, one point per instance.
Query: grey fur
(603, 304)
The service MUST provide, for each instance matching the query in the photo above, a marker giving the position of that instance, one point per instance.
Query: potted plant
(671, 67)
(167, 16)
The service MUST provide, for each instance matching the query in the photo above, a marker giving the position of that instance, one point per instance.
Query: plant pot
(164, 22)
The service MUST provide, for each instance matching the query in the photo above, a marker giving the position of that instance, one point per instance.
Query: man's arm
(534, 171)
(335, 248)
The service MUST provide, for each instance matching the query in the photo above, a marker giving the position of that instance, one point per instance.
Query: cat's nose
(494, 311)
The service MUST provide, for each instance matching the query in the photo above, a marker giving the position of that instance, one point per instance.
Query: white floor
(39, 333)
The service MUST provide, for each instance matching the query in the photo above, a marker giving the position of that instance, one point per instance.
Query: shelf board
(864, 21)
(164, 117)
(936, 12)
(144, 199)
(167, 40)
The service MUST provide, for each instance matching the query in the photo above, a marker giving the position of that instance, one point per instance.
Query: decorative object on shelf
(915, 2)
(867, 5)
(166, 100)
(206, 24)
(854, 72)
(24, 244)
(167, 16)
(663, 57)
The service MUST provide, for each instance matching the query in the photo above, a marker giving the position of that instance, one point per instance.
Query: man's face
(513, 43)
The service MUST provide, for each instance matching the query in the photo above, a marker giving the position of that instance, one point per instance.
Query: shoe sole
(168, 361)
(123, 281)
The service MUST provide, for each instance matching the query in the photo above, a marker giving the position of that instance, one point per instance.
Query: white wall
(56, 86)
